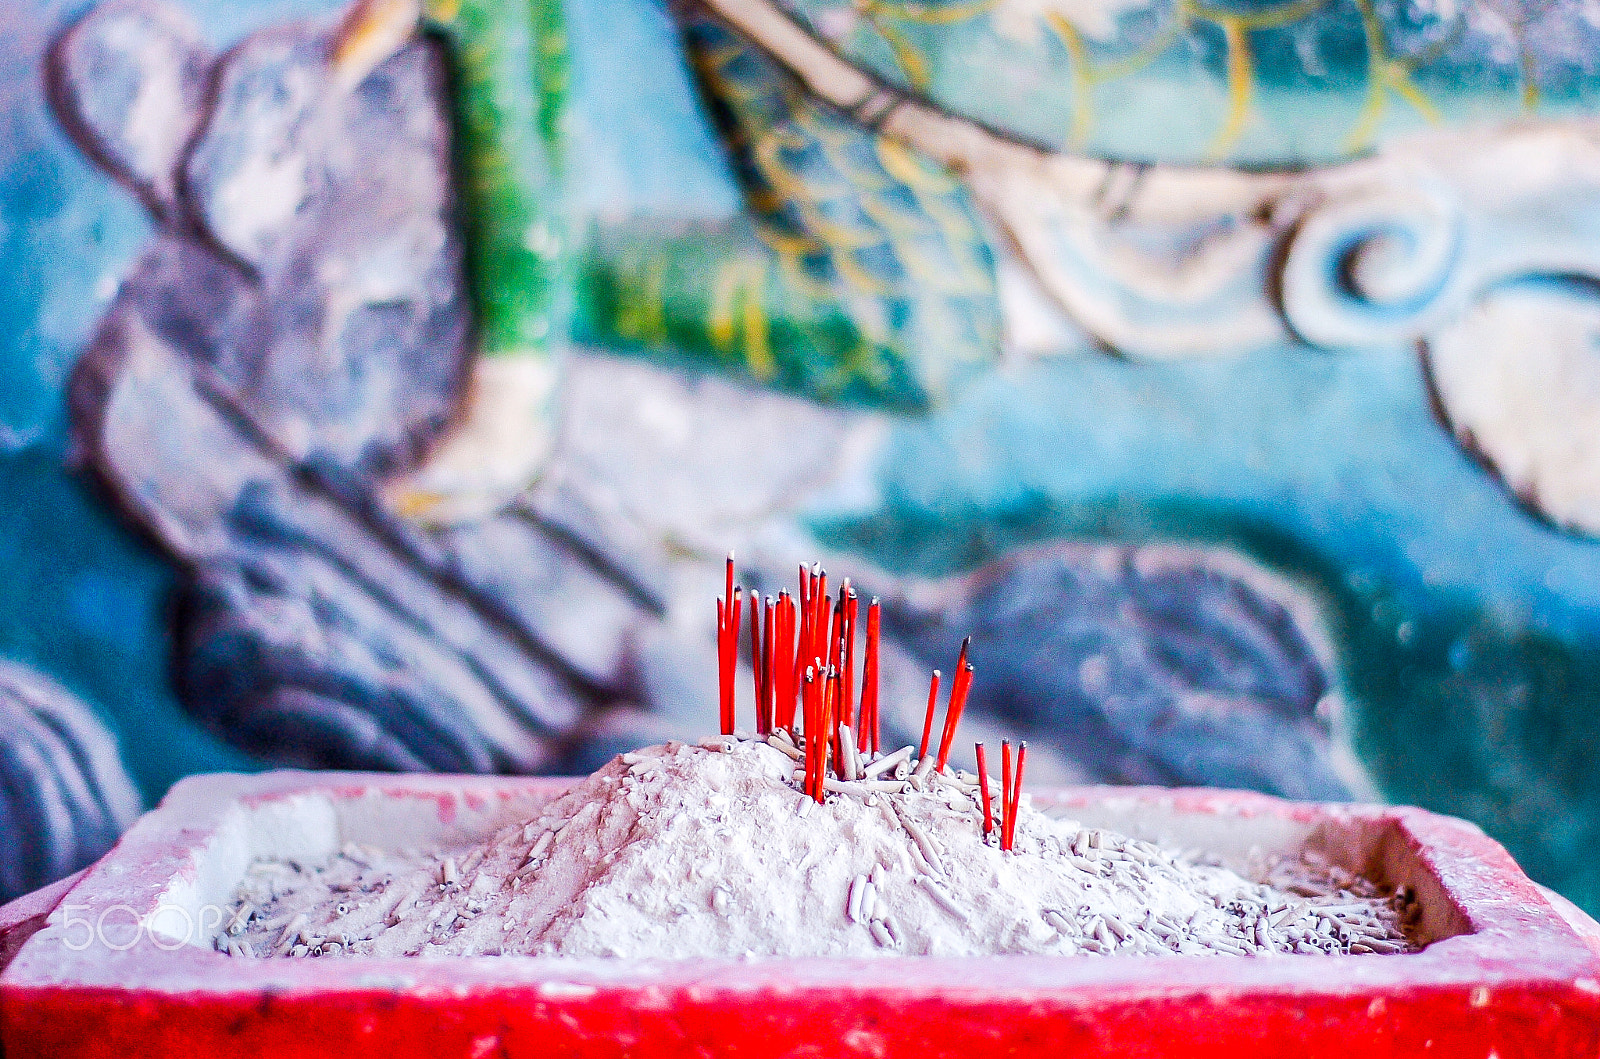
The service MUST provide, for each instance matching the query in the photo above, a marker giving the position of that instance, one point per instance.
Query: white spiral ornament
(1375, 265)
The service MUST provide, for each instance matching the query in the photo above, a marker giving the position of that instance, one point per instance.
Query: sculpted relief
(447, 466)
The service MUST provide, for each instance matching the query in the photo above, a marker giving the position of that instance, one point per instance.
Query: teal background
(1465, 629)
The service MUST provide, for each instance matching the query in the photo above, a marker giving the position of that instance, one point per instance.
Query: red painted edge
(1519, 979)
(23, 918)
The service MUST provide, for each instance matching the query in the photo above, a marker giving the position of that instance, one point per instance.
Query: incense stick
(927, 723)
(848, 660)
(755, 654)
(958, 702)
(1005, 792)
(788, 663)
(814, 635)
(727, 648)
(983, 788)
(766, 703)
(1016, 796)
(869, 681)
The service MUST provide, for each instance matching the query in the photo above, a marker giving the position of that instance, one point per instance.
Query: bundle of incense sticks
(1010, 792)
(803, 662)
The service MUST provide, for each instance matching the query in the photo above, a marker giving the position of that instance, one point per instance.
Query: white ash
(696, 851)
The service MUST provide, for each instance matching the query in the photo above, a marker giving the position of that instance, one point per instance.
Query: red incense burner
(118, 962)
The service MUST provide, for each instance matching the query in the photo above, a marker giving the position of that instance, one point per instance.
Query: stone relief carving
(241, 420)
(64, 796)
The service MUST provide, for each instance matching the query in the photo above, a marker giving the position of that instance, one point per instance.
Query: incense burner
(123, 964)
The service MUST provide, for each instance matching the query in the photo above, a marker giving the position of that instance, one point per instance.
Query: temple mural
(386, 382)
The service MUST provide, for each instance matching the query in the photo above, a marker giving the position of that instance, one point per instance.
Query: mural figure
(64, 796)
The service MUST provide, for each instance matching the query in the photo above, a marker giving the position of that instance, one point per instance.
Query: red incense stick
(927, 723)
(812, 721)
(769, 691)
(838, 722)
(727, 649)
(758, 677)
(983, 788)
(869, 683)
(787, 661)
(731, 657)
(1011, 794)
(848, 709)
(827, 724)
(819, 615)
(835, 664)
(1005, 793)
(724, 615)
(1016, 794)
(952, 715)
(802, 650)
(836, 640)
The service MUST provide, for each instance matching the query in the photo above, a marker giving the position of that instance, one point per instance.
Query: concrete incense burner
(119, 962)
